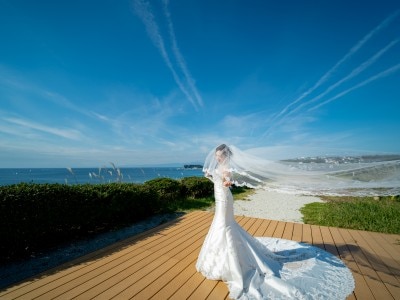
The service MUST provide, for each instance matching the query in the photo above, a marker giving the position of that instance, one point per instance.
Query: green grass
(361, 213)
(189, 205)
(242, 193)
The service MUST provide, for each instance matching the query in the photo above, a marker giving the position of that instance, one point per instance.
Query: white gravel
(273, 206)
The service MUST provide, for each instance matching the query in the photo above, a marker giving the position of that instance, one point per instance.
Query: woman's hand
(227, 181)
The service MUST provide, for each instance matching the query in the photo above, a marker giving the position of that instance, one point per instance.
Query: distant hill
(193, 166)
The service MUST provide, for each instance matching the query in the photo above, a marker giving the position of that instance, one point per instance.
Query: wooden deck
(160, 263)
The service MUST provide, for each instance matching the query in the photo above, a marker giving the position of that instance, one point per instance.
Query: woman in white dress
(260, 267)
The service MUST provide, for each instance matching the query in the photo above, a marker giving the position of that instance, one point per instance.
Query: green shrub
(197, 187)
(31, 213)
(395, 198)
(169, 190)
(38, 216)
(128, 202)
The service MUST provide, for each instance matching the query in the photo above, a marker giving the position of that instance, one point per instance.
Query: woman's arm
(209, 176)
(227, 178)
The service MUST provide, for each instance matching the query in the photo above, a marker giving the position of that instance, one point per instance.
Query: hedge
(34, 217)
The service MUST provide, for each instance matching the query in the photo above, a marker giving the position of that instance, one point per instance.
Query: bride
(259, 267)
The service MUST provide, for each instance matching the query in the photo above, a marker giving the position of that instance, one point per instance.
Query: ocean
(367, 175)
(92, 175)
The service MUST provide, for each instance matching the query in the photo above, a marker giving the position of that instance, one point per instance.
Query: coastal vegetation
(242, 192)
(380, 214)
(37, 217)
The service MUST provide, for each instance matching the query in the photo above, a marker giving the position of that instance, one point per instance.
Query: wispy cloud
(19, 82)
(283, 116)
(144, 12)
(146, 122)
(355, 72)
(71, 134)
(63, 102)
(242, 125)
(100, 116)
(179, 57)
(345, 58)
(380, 75)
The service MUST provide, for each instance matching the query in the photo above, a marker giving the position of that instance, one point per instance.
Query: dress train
(267, 268)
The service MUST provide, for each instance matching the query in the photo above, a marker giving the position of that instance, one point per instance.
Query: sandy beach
(273, 205)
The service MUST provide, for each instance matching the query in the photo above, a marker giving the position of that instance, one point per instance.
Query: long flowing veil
(347, 179)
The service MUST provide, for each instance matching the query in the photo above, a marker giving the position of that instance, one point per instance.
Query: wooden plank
(120, 283)
(362, 290)
(91, 280)
(48, 277)
(317, 237)
(393, 240)
(392, 250)
(187, 251)
(219, 292)
(242, 221)
(271, 228)
(139, 273)
(187, 286)
(280, 227)
(297, 232)
(249, 223)
(383, 250)
(203, 290)
(49, 283)
(385, 275)
(239, 218)
(327, 239)
(164, 279)
(75, 263)
(175, 283)
(307, 234)
(288, 231)
(133, 267)
(147, 236)
(160, 263)
(253, 229)
(263, 227)
(332, 247)
(376, 286)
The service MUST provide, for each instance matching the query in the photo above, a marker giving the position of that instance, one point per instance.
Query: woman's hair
(224, 149)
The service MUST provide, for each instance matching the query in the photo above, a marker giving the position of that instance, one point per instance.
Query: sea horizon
(94, 175)
(370, 174)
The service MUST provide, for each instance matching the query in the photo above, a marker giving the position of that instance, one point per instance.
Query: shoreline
(272, 205)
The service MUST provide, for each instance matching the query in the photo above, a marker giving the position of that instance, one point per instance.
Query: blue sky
(85, 82)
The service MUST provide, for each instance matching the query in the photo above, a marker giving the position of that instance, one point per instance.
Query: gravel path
(274, 206)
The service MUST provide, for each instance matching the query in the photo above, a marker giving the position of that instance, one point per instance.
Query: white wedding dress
(266, 268)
